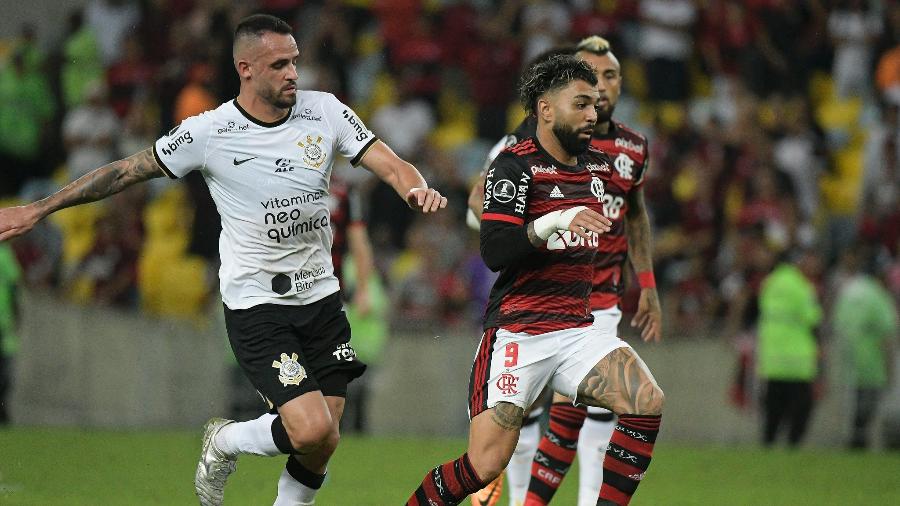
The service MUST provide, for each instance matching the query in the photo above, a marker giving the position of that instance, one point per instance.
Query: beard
(280, 101)
(569, 139)
(605, 115)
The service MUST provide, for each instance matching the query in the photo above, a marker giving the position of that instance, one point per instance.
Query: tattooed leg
(493, 436)
(622, 383)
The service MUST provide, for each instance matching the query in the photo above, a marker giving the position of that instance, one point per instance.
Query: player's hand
(648, 316)
(15, 221)
(428, 200)
(588, 221)
(361, 302)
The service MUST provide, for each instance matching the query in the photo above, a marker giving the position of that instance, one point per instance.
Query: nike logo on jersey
(238, 162)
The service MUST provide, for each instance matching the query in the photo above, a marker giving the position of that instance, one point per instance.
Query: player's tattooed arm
(508, 416)
(621, 383)
(637, 229)
(103, 182)
(532, 236)
(93, 186)
(648, 316)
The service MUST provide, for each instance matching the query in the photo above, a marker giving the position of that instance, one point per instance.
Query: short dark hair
(552, 74)
(258, 24)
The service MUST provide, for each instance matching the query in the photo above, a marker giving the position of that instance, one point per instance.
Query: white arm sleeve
(352, 138)
(183, 149)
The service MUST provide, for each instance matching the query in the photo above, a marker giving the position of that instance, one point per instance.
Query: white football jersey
(269, 182)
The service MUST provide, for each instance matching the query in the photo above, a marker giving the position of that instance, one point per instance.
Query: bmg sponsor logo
(174, 144)
(361, 133)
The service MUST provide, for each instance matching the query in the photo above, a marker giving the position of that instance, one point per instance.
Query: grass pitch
(64, 467)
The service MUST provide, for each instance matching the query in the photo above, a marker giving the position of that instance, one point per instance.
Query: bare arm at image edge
(93, 186)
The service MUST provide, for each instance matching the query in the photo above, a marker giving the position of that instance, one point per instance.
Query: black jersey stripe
(162, 165)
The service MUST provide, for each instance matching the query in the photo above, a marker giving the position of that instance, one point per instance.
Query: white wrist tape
(472, 220)
(550, 223)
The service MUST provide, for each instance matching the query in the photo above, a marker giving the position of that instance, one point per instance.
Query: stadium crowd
(773, 128)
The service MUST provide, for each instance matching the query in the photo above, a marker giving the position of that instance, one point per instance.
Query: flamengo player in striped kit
(540, 227)
(589, 428)
(267, 158)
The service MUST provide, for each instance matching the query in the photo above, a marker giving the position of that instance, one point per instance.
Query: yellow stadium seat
(77, 227)
(837, 114)
(840, 190)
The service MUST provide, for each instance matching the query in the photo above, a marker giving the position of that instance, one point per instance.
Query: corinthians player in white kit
(267, 158)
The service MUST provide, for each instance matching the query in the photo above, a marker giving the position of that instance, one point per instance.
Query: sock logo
(438, 481)
(633, 434)
(623, 455)
(551, 478)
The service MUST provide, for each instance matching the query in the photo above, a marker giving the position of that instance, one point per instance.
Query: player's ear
(544, 109)
(243, 69)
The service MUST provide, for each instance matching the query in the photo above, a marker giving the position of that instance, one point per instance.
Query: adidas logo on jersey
(556, 194)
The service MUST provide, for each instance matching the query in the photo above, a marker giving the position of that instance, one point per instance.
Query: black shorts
(287, 351)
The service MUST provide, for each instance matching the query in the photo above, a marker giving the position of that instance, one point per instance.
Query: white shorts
(515, 367)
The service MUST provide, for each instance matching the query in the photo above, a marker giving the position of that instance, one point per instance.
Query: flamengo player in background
(540, 226)
(266, 157)
(623, 203)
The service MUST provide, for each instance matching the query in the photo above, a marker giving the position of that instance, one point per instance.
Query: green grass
(42, 467)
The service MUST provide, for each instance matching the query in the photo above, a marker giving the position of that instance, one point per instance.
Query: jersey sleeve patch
(506, 189)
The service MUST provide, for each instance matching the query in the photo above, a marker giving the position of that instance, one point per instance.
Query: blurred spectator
(787, 353)
(406, 122)
(798, 153)
(865, 324)
(887, 74)
(113, 22)
(26, 107)
(854, 27)
(667, 46)
(197, 95)
(879, 196)
(492, 66)
(108, 272)
(545, 25)
(81, 66)
(89, 133)
(9, 322)
(130, 76)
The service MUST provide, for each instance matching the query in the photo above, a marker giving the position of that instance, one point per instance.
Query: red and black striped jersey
(345, 206)
(629, 152)
(548, 288)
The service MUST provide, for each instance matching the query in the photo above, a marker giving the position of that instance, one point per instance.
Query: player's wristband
(646, 279)
(554, 221)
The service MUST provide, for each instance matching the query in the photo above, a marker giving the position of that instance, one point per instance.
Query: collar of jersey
(260, 122)
(565, 166)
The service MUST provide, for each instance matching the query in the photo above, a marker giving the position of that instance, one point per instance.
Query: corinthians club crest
(290, 372)
(313, 154)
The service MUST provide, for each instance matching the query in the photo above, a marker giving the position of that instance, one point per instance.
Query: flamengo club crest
(313, 154)
(507, 384)
(290, 372)
(597, 188)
